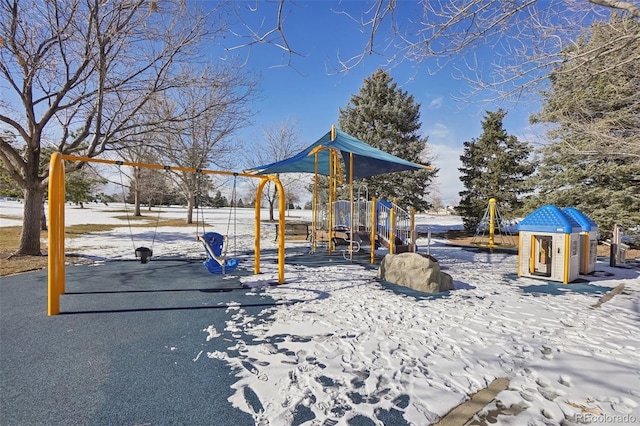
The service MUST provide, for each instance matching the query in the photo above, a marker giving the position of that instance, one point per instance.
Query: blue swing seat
(214, 245)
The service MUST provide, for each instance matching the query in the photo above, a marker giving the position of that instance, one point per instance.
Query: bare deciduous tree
(525, 38)
(281, 141)
(504, 50)
(217, 107)
(78, 73)
(138, 150)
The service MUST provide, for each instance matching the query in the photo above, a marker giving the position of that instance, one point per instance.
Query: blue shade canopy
(549, 219)
(367, 160)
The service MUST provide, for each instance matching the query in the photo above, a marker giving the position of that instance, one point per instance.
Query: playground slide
(401, 239)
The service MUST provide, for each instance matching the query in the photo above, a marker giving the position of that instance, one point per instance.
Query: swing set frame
(56, 254)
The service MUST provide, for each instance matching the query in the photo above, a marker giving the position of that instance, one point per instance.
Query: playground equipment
(56, 269)
(142, 253)
(548, 241)
(215, 244)
(360, 160)
(216, 247)
(492, 231)
(617, 249)
(376, 223)
(588, 239)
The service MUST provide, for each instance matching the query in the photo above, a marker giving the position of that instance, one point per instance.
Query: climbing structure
(493, 231)
(342, 159)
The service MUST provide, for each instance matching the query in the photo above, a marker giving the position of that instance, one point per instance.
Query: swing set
(215, 244)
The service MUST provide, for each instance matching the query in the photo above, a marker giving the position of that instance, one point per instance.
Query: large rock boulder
(421, 273)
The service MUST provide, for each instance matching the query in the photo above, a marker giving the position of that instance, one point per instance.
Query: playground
(168, 342)
(144, 324)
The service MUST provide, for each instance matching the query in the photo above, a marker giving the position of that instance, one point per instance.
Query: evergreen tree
(8, 186)
(590, 163)
(387, 118)
(219, 200)
(496, 166)
(604, 189)
(596, 105)
(80, 185)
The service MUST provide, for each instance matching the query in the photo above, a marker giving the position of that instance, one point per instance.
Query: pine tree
(590, 162)
(496, 166)
(80, 185)
(219, 200)
(605, 189)
(387, 118)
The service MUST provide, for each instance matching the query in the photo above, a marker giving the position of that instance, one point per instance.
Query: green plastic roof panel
(367, 160)
(549, 219)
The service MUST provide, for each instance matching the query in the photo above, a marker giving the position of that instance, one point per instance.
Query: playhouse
(588, 239)
(548, 245)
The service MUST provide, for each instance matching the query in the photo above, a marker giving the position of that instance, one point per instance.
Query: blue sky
(310, 91)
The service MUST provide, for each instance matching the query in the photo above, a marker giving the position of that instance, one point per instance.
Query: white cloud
(448, 180)
(436, 102)
(439, 131)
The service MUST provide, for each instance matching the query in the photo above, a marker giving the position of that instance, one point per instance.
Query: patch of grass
(151, 221)
(11, 264)
(10, 240)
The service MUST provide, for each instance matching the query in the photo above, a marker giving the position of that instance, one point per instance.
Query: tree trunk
(30, 237)
(43, 218)
(190, 204)
(136, 203)
(271, 203)
(136, 192)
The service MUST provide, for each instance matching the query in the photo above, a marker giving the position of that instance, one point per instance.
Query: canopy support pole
(351, 235)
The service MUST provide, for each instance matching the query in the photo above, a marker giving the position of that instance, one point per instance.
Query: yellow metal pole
(315, 204)
(331, 178)
(256, 244)
(392, 230)
(333, 132)
(492, 222)
(281, 204)
(56, 234)
(412, 247)
(567, 263)
(534, 253)
(351, 205)
(157, 166)
(374, 227)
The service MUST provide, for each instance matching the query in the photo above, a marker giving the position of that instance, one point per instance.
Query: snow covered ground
(352, 349)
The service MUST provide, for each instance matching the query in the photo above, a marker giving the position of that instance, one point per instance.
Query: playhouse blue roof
(583, 220)
(368, 161)
(549, 219)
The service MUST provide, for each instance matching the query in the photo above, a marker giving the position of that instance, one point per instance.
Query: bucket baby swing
(143, 253)
(216, 244)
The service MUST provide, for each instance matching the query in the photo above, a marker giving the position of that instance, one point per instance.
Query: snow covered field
(354, 349)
